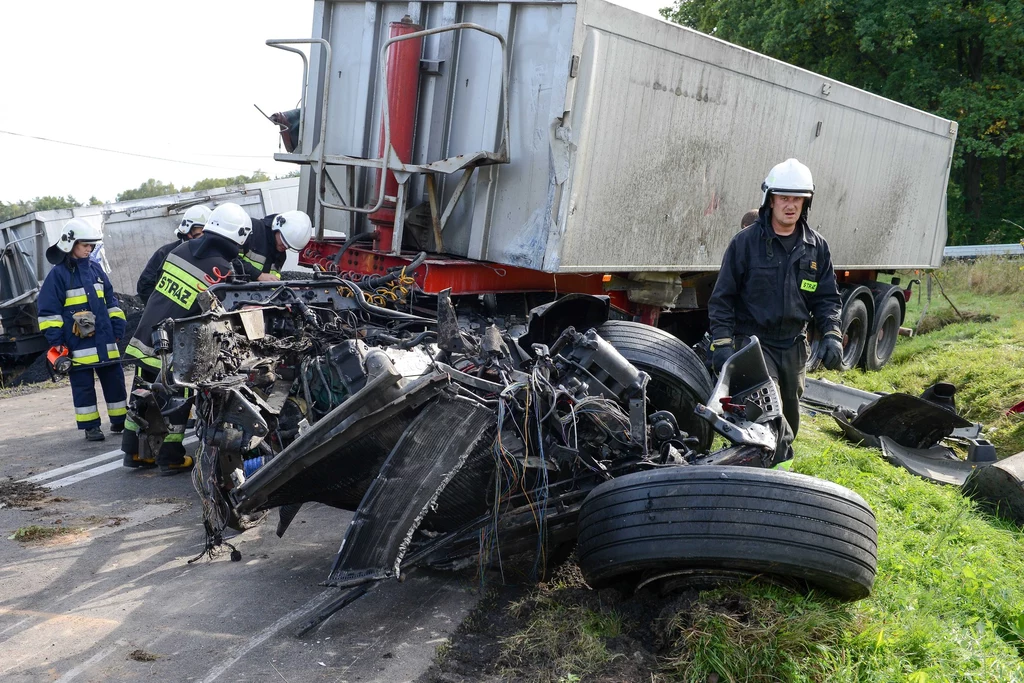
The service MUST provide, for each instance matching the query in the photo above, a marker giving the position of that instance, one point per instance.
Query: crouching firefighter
(156, 409)
(79, 312)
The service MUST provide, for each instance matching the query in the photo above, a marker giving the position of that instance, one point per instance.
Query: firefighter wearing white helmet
(777, 277)
(264, 255)
(78, 311)
(189, 227)
(187, 272)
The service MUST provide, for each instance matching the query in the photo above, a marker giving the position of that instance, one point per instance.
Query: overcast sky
(172, 80)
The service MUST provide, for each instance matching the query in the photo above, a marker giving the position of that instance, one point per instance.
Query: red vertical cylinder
(403, 80)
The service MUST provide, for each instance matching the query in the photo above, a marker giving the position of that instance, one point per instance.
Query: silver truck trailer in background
(633, 144)
(585, 138)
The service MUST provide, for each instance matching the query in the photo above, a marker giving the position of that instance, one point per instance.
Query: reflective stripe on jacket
(260, 254)
(74, 286)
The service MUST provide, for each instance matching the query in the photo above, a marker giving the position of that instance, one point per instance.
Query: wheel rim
(886, 342)
(853, 342)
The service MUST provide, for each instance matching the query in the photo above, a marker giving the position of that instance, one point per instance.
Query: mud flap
(999, 487)
(430, 453)
(909, 421)
(936, 464)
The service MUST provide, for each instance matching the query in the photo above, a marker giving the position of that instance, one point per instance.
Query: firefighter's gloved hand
(831, 350)
(721, 351)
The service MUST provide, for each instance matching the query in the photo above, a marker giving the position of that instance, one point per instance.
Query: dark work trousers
(788, 367)
(83, 394)
(172, 451)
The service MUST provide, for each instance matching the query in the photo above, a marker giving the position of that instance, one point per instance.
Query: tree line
(958, 59)
(150, 188)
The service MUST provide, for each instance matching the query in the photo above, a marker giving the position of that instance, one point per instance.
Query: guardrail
(976, 250)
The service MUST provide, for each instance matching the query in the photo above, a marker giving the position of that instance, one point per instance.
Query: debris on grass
(34, 532)
(933, 322)
(20, 493)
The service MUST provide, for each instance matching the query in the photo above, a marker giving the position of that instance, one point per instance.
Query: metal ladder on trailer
(320, 161)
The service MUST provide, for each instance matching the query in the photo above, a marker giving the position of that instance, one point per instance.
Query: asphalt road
(77, 606)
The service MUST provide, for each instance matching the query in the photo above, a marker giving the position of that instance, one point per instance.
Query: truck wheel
(679, 380)
(855, 333)
(881, 345)
(705, 522)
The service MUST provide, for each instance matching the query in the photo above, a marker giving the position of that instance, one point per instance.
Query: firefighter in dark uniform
(264, 253)
(187, 271)
(775, 276)
(78, 310)
(190, 227)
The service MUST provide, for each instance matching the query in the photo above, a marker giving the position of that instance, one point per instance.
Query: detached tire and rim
(716, 521)
(855, 333)
(679, 380)
(881, 344)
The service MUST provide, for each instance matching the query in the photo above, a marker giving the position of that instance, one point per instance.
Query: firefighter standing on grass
(264, 253)
(187, 271)
(775, 275)
(79, 311)
(190, 227)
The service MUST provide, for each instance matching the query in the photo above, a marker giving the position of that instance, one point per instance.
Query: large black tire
(679, 380)
(716, 519)
(881, 344)
(855, 333)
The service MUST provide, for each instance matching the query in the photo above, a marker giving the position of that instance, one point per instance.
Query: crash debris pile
(458, 441)
(913, 432)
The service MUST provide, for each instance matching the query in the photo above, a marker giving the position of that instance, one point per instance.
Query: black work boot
(94, 434)
(172, 459)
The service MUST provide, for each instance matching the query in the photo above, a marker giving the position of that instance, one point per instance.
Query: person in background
(265, 251)
(78, 310)
(749, 218)
(190, 227)
(775, 276)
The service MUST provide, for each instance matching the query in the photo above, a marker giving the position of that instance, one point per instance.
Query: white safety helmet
(78, 230)
(790, 178)
(196, 215)
(295, 228)
(231, 221)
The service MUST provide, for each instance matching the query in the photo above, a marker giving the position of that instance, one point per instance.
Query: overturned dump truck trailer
(457, 449)
(582, 147)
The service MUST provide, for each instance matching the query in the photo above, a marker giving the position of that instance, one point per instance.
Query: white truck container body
(634, 144)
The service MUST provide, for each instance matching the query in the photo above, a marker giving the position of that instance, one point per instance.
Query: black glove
(721, 351)
(831, 350)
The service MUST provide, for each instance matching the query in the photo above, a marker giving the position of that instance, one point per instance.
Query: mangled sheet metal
(454, 441)
(909, 421)
(909, 432)
(937, 463)
(999, 487)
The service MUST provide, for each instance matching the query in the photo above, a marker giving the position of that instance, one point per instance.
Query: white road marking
(104, 458)
(81, 464)
(266, 633)
(96, 658)
(88, 474)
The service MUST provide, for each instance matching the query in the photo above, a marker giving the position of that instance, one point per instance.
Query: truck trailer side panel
(635, 144)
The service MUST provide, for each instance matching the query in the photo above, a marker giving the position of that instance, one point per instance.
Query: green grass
(948, 601)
